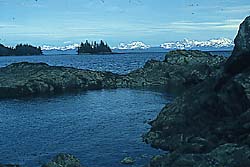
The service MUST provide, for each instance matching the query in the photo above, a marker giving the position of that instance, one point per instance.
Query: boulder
(63, 160)
(128, 161)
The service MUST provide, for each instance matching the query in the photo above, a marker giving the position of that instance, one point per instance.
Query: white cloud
(8, 26)
(184, 26)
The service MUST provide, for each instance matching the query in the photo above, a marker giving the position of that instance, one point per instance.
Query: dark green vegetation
(94, 48)
(20, 50)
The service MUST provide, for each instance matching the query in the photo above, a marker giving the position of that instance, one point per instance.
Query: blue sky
(62, 22)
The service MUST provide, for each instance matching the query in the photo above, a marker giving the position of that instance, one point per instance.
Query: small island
(20, 50)
(93, 48)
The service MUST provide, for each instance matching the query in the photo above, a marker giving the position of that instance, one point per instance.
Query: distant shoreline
(111, 53)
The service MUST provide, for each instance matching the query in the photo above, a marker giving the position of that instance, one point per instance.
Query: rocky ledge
(180, 70)
(209, 124)
(25, 79)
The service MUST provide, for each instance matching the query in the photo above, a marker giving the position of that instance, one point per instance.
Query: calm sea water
(99, 127)
(117, 63)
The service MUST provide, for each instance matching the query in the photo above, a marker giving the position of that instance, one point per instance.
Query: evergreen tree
(93, 48)
(19, 50)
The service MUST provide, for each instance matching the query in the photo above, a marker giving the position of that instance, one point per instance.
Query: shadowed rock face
(240, 58)
(209, 125)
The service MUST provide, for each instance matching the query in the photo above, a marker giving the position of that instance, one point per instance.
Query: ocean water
(99, 127)
(116, 63)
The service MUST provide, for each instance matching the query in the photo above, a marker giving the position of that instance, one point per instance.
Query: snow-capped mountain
(208, 45)
(220, 43)
(62, 48)
(69, 49)
(133, 45)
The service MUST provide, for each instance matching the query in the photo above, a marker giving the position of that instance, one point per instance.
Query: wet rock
(9, 165)
(64, 160)
(128, 161)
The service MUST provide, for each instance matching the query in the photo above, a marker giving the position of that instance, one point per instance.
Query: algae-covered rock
(128, 161)
(63, 160)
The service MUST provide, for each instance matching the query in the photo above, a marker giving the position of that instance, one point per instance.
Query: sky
(63, 22)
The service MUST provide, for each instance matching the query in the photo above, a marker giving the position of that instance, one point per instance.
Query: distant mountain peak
(190, 44)
(132, 45)
(62, 48)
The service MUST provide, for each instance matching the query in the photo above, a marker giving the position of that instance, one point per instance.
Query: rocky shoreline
(208, 125)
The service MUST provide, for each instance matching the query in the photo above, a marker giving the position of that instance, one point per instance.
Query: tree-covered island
(20, 50)
(93, 48)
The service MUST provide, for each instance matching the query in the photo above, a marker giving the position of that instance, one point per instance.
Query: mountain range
(138, 46)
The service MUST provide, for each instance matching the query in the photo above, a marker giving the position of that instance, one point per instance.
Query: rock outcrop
(26, 79)
(209, 124)
(180, 70)
(228, 155)
(241, 54)
(64, 160)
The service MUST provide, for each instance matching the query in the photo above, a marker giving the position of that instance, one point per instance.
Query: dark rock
(240, 58)
(203, 113)
(64, 160)
(175, 73)
(27, 79)
(228, 155)
(9, 165)
(194, 57)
